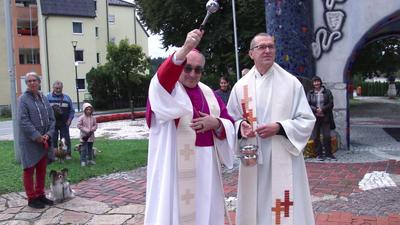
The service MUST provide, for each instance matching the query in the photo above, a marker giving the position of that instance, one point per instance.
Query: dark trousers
(60, 132)
(322, 125)
(34, 179)
(87, 151)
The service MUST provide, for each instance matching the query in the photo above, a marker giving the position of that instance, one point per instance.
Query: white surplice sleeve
(298, 129)
(225, 146)
(166, 106)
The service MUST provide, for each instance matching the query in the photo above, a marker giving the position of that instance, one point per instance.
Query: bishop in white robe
(271, 111)
(191, 135)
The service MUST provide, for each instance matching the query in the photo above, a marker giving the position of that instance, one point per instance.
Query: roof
(121, 3)
(76, 8)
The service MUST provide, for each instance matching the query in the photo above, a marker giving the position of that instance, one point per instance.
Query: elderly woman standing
(320, 99)
(36, 123)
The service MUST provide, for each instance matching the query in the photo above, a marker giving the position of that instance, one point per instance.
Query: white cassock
(278, 97)
(162, 206)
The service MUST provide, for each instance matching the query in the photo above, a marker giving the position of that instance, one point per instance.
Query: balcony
(25, 3)
(26, 13)
(27, 31)
(27, 26)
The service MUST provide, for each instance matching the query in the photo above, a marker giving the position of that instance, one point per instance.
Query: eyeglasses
(263, 47)
(189, 68)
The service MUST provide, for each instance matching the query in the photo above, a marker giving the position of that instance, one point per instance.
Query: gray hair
(201, 54)
(31, 74)
(58, 83)
(263, 34)
(245, 71)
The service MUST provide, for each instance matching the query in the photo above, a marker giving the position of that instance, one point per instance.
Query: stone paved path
(119, 198)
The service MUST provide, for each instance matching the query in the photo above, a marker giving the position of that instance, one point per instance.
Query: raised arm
(170, 70)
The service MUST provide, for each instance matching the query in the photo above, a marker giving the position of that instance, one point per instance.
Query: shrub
(375, 88)
(5, 111)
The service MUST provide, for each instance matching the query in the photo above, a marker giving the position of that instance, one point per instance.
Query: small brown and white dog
(60, 189)
(78, 148)
(61, 152)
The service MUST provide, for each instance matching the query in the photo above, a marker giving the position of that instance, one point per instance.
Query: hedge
(376, 88)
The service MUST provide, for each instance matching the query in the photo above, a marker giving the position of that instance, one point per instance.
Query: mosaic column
(291, 22)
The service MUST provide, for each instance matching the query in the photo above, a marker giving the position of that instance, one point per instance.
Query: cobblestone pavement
(337, 200)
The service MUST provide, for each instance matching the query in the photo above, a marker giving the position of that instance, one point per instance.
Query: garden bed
(119, 116)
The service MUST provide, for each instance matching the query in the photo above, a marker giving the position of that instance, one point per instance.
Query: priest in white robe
(271, 111)
(191, 135)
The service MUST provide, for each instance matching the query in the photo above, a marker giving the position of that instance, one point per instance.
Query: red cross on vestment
(287, 203)
(277, 209)
(247, 113)
(282, 207)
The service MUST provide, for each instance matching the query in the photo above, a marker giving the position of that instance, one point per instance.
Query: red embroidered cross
(287, 203)
(247, 113)
(186, 152)
(250, 117)
(282, 207)
(187, 197)
(277, 209)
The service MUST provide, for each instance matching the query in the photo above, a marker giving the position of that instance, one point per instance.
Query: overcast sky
(155, 47)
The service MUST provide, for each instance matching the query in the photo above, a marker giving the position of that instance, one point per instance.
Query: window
(98, 57)
(95, 5)
(29, 56)
(77, 28)
(96, 30)
(111, 19)
(79, 56)
(80, 83)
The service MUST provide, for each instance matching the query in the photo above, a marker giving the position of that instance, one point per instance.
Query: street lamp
(74, 44)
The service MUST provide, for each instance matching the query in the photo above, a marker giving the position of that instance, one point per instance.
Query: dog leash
(63, 193)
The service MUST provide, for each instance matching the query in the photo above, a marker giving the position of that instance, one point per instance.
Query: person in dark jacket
(64, 113)
(36, 126)
(224, 91)
(321, 102)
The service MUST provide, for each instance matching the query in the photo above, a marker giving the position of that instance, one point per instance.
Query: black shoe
(36, 204)
(45, 200)
(320, 158)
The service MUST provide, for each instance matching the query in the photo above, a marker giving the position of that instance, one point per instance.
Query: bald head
(57, 87)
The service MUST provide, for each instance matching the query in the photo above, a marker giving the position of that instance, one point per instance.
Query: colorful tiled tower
(291, 22)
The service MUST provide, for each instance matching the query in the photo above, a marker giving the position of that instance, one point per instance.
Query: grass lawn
(4, 118)
(354, 102)
(115, 155)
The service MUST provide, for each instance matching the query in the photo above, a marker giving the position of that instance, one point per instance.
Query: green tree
(154, 64)
(127, 63)
(181, 16)
(113, 84)
(101, 86)
(379, 58)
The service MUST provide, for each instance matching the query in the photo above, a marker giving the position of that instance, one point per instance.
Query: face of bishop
(193, 69)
